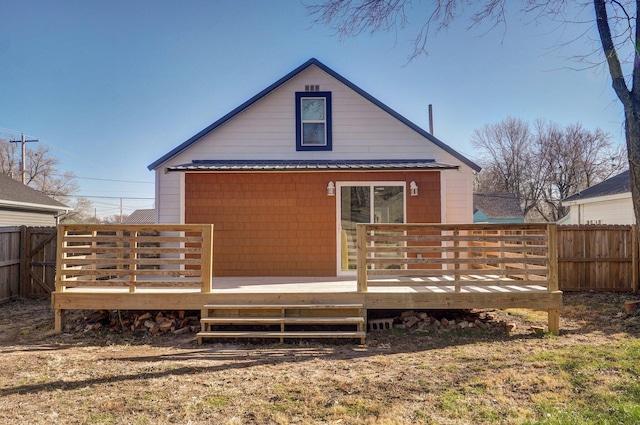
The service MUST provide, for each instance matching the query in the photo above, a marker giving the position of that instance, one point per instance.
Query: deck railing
(457, 255)
(134, 256)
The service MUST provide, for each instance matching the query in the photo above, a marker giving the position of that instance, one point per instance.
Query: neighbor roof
(144, 216)
(14, 194)
(289, 76)
(497, 205)
(310, 165)
(612, 186)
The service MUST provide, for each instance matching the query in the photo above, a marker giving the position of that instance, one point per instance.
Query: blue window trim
(327, 96)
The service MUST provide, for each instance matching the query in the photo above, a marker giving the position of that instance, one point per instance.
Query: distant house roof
(612, 186)
(324, 165)
(15, 195)
(146, 216)
(497, 205)
(283, 80)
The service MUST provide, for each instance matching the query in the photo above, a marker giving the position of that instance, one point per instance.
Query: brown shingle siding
(284, 223)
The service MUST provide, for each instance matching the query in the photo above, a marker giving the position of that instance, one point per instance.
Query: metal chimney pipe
(431, 119)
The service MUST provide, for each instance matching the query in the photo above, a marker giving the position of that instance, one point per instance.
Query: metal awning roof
(312, 165)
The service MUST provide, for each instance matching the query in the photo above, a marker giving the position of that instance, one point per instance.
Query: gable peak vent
(312, 87)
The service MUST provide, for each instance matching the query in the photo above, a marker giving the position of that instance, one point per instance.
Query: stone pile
(442, 321)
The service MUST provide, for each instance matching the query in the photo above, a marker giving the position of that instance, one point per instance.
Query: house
(496, 208)
(21, 205)
(286, 176)
(608, 202)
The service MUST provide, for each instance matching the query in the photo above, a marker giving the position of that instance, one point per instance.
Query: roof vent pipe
(431, 119)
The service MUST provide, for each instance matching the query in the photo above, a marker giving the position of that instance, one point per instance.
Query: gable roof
(14, 194)
(289, 76)
(612, 186)
(497, 205)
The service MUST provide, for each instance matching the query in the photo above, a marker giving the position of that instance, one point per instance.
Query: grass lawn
(587, 375)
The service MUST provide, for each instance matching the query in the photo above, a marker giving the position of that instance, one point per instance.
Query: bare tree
(8, 162)
(115, 219)
(543, 165)
(507, 151)
(616, 21)
(42, 173)
(41, 170)
(83, 212)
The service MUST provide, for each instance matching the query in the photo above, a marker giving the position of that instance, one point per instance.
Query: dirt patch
(438, 377)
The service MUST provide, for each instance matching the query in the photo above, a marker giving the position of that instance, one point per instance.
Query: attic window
(312, 88)
(313, 121)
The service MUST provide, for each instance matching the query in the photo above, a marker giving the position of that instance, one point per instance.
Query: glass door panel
(355, 207)
(366, 204)
(388, 204)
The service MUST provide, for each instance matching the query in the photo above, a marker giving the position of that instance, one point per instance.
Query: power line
(104, 180)
(112, 180)
(108, 197)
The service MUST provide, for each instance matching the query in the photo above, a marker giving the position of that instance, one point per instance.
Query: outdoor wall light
(331, 189)
(414, 188)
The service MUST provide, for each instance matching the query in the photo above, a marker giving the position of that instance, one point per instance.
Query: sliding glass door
(365, 203)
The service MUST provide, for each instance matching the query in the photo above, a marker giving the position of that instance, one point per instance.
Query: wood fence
(27, 262)
(9, 263)
(598, 258)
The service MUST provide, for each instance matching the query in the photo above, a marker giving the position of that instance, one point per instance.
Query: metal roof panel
(312, 165)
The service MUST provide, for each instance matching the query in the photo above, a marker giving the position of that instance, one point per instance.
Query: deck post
(552, 247)
(554, 320)
(59, 321)
(361, 256)
(59, 314)
(207, 258)
(553, 314)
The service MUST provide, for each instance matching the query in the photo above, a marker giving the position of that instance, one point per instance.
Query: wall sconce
(331, 189)
(413, 187)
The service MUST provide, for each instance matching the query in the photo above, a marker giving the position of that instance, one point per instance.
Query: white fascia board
(623, 195)
(30, 206)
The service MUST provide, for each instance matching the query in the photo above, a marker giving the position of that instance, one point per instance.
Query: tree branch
(611, 55)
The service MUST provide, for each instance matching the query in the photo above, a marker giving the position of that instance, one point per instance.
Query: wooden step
(244, 317)
(284, 334)
(283, 320)
(280, 306)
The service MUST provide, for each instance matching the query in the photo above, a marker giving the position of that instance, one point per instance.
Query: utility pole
(23, 167)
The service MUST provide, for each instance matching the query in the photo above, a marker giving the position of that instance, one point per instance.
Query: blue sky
(111, 86)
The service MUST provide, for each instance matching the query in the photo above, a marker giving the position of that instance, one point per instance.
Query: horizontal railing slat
(123, 272)
(466, 261)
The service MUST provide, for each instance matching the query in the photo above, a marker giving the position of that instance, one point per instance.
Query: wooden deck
(400, 267)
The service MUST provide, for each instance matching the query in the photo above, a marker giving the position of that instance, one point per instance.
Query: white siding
(360, 130)
(457, 189)
(611, 211)
(169, 197)
(26, 218)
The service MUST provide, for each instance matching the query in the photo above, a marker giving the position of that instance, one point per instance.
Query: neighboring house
(146, 216)
(608, 202)
(286, 176)
(21, 205)
(496, 208)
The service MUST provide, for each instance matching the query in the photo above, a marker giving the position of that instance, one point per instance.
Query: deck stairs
(283, 321)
